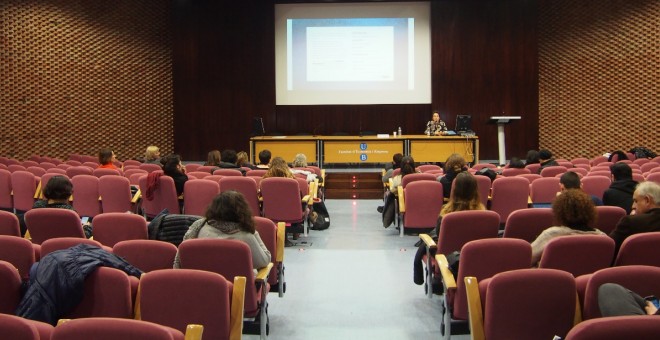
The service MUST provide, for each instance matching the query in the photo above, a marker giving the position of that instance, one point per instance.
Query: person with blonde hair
(152, 155)
(278, 168)
(300, 161)
(242, 160)
(575, 212)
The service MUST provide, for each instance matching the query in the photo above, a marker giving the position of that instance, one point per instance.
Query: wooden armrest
(323, 176)
(61, 321)
(578, 311)
(281, 237)
(262, 273)
(428, 241)
(315, 193)
(37, 193)
(474, 308)
(529, 200)
(237, 308)
(402, 202)
(180, 197)
(137, 312)
(390, 182)
(447, 276)
(137, 196)
(27, 235)
(194, 332)
(308, 199)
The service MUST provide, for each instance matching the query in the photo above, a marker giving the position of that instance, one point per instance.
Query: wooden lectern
(501, 120)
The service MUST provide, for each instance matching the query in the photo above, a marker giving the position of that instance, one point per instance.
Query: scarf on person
(224, 226)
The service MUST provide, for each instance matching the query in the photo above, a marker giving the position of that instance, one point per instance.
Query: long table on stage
(366, 149)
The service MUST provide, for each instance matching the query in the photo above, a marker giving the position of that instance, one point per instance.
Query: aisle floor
(353, 281)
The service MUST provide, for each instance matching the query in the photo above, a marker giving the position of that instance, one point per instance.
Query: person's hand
(650, 308)
(437, 133)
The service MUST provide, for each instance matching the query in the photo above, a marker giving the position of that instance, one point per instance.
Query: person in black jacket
(173, 167)
(620, 192)
(546, 159)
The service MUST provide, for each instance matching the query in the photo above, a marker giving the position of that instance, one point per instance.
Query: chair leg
(280, 279)
(429, 275)
(263, 322)
(446, 320)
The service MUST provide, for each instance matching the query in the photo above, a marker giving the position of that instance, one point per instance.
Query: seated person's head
(278, 168)
(106, 156)
(300, 161)
(465, 194)
(172, 165)
(532, 157)
(436, 116)
(621, 171)
(646, 197)
(228, 156)
(407, 166)
(570, 180)
(58, 188)
(231, 206)
(396, 160)
(545, 155)
(573, 208)
(264, 157)
(213, 158)
(516, 163)
(242, 158)
(152, 153)
(455, 163)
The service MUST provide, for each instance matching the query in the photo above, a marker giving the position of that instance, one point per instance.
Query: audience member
(575, 212)
(435, 127)
(516, 163)
(174, 168)
(106, 159)
(213, 158)
(57, 192)
(571, 180)
(278, 168)
(616, 156)
(616, 300)
(396, 164)
(407, 167)
(620, 192)
(464, 197)
(152, 155)
(300, 161)
(546, 160)
(646, 214)
(242, 160)
(229, 217)
(532, 157)
(264, 159)
(454, 165)
(228, 160)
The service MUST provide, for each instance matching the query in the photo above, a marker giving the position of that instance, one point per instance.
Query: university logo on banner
(363, 146)
(363, 157)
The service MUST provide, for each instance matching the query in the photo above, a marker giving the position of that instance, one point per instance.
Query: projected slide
(352, 60)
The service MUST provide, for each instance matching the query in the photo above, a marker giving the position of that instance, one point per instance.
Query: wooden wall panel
(483, 56)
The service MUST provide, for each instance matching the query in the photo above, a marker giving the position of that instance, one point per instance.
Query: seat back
(608, 217)
(47, 223)
(460, 227)
(257, 172)
(100, 172)
(595, 185)
(198, 195)
(112, 329)
(79, 170)
(653, 177)
(6, 201)
(530, 177)
(148, 167)
(423, 203)
(86, 195)
(544, 190)
(428, 167)
(417, 177)
(528, 224)
(115, 192)
(107, 293)
(24, 185)
(483, 185)
(509, 194)
(19, 252)
(616, 328)
(17, 328)
(642, 280)
(229, 258)
(509, 172)
(132, 162)
(58, 171)
(228, 172)
(580, 171)
(281, 199)
(165, 196)
(246, 186)
(529, 304)
(36, 170)
(9, 224)
(552, 171)
(568, 253)
(503, 255)
(60, 243)
(533, 168)
(268, 234)
(147, 255)
(130, 172)
(206, 300)
(639, 249)
(480, 166)
(192, 167)
(198, 174)
(110, 228)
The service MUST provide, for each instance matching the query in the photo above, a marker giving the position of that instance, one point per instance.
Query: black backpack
(322, 221)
